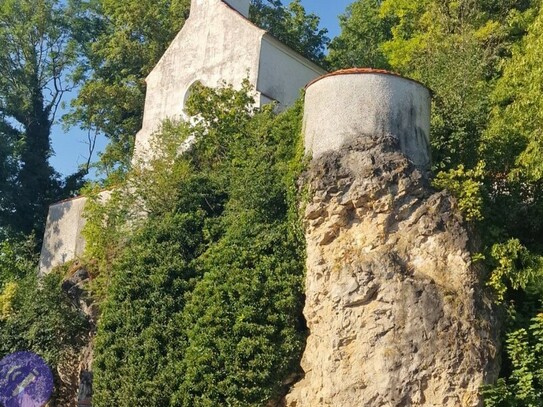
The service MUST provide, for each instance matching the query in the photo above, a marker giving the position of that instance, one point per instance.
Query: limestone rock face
(396, 312)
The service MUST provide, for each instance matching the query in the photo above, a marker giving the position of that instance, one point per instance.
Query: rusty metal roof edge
(357, 71)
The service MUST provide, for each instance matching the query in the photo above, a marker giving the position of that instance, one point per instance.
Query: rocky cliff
(395, 307)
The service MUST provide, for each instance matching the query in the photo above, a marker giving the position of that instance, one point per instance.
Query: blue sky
(70, 148)
(328, 11)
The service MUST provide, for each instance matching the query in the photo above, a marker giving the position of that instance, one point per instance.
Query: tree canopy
(363, 31)
(36, 56)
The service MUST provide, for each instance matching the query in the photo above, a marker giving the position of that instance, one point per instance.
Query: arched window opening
(190, 90)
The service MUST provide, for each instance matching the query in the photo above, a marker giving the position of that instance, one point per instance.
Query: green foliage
(516, 267)
(124, 42)
(243, 317)
(513, 140)
(140, 323)
(466, 186)
(6, 300)
(292, 26)
(203, 298)
(243, 331)
(524, 388)
(105, 233)
(42, 319)
(8, 171)
(36, 55)
(17, 258)
(510, 143)
(221, 120)
(363, 31)
(516, 279)
(523, 359)
(112, 215)
(35, 314)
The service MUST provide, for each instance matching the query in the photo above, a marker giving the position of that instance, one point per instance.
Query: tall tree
(513, 142)
(514, 138)
(457, 48)
(35, 57)
(122, 43)
(8, 171)
(363, 32)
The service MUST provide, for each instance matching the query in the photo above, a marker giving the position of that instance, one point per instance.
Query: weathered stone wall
(62, 240)
(394, 305)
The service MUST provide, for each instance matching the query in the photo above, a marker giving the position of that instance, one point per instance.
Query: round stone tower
(355, 102)
(393, 299)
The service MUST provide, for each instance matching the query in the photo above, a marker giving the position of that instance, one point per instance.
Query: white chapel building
(217, 45)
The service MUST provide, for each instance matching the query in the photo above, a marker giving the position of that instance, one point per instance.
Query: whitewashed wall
(218, 45)
(62, 241)
(283, 72)
(343, 106)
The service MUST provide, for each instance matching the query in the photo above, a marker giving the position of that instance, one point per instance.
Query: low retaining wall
(62, 240)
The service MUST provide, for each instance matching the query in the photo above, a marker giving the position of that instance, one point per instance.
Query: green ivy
(203, 299)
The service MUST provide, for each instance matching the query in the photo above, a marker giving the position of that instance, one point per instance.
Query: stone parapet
(353, 103)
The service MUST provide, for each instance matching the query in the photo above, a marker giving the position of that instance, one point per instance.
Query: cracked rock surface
(395, 308)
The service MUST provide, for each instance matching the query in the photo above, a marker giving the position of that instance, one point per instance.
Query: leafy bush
(515, 267)
(17, 258)
(140, 322)
(466, 185)
(203, 301)
(42, 320)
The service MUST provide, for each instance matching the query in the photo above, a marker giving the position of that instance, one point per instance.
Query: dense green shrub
(17, 258)
(37, 315)
(140, 320)
(42, 320)
(203, 301)
(242, 319)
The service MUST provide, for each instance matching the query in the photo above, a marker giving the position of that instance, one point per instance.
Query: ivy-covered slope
(202, 296)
